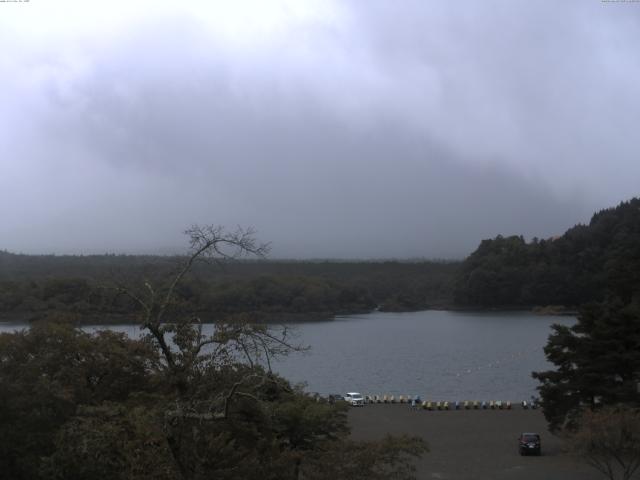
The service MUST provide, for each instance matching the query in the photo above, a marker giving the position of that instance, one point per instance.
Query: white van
(355, 399)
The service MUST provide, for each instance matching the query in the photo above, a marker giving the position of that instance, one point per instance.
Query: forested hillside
(36, 286)
(585, 264)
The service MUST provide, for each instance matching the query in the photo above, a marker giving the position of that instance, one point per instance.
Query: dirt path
(473, 444)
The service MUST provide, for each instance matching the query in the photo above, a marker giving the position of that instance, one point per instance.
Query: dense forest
(40, 286)
(587, 263)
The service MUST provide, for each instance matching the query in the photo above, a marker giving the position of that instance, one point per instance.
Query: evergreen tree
(597, 360)
(585, 264)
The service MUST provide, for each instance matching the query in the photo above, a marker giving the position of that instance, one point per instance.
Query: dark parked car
(529, 443)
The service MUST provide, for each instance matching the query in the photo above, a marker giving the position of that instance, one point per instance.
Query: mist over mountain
(336, 129)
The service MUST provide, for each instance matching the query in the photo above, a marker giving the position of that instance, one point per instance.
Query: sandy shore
(473, 444)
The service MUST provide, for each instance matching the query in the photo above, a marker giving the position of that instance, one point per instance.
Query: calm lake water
(440, 355)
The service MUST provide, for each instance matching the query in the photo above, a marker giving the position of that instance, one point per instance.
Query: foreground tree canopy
(176, 403)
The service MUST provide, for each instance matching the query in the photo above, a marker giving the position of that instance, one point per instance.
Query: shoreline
(271, 318)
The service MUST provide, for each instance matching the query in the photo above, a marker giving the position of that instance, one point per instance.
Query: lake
(440, 355)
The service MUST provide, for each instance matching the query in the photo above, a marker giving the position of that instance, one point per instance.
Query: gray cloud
(366, 130)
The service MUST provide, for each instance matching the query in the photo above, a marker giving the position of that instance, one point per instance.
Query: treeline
(263, 295)
(587, 263)
(37, 286)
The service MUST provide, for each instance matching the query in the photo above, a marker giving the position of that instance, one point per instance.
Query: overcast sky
(337, 129)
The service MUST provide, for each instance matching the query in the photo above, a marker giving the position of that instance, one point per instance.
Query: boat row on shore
(446, 405)
(417, 402)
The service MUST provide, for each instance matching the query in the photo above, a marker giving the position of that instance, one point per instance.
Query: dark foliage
(585, 264)
(47, 372)
(597, 363)
(37, 286)
(81, 406)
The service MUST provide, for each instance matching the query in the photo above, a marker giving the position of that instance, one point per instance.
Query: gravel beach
(473, 444)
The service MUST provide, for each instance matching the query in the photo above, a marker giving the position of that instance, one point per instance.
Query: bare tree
(184, 348)
(609, 441)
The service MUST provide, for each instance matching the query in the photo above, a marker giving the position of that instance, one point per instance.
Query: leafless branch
(609, 441)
